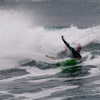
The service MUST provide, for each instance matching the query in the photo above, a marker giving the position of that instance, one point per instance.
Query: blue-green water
(29, 31)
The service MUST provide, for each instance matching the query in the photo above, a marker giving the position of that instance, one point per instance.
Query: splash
(20, 39)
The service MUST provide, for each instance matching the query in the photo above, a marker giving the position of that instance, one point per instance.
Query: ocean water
(29, 30)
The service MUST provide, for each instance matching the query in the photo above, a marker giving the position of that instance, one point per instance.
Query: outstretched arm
(75, 54)
(67, 44)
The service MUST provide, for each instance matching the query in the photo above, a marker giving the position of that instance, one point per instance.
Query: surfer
(74, 53)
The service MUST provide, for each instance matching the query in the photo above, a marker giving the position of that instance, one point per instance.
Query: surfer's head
(78, 49)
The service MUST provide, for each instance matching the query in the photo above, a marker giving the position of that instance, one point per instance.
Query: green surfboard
(67, 63)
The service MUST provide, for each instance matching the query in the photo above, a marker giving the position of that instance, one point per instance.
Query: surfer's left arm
(67, 44)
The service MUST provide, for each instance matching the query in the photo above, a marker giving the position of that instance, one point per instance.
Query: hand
(62, 36)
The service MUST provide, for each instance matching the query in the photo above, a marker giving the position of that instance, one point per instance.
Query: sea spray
(19, 39)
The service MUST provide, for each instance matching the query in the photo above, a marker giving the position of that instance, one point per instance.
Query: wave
(20, 40)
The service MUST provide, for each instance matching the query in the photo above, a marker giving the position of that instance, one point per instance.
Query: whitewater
(24, 73)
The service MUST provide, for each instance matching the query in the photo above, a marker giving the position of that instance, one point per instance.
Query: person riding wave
(75, 54)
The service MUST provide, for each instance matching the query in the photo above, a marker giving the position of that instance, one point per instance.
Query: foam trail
(45, 92)
(33, 72)
(38, 72)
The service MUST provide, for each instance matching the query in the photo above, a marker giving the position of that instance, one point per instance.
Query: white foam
(38, 72)
(96, 82)
(33, 72)
(44, 92)
(81, 95)
(4, 92)
(95, 61)
(47, 79)
(18, 37)
(14, 78)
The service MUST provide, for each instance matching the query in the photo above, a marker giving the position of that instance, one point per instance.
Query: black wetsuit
(74, 54)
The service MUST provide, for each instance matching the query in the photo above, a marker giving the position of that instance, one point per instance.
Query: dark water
(29, 31)
(81, 13)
